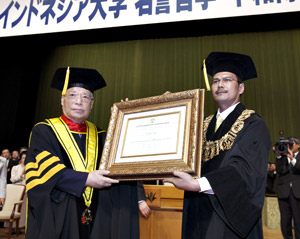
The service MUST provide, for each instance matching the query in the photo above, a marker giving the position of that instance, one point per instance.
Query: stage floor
(268, 234)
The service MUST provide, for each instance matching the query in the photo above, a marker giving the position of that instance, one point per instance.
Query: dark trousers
(290, 209)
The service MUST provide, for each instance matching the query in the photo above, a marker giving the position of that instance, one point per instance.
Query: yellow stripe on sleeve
(41, 156)
(38, 158)
(45, 178)
(42, 167)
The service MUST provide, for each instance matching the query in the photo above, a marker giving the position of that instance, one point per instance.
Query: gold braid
(213, 148)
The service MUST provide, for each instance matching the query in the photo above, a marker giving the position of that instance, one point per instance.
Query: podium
(166, 203)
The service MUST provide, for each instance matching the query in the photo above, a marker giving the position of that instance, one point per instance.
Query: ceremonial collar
(212, 148)
(75, 127)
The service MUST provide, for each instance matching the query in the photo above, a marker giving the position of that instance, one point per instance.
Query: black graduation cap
(89, 79)
(241, 65)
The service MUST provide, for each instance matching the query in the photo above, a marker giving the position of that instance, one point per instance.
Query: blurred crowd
(12, 171)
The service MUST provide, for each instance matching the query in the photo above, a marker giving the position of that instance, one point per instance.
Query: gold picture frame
(150, 138)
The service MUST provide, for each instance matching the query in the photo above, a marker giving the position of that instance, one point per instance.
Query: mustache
(221, 91)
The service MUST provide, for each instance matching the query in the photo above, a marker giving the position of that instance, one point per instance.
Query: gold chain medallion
(213, 148)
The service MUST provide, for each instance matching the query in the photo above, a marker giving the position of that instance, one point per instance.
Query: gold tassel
(205, 76)
(66, 82)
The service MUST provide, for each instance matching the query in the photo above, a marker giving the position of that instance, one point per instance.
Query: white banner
(22, 17)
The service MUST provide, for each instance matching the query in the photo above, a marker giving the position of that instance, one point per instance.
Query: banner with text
(23, 17)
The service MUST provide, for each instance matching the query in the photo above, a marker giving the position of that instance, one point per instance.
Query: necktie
(218, 122)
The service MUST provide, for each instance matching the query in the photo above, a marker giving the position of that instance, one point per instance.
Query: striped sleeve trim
(45, 178)
(39, 157)
(42, 169)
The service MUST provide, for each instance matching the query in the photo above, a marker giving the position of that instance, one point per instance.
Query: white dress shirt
(293, 160)
(203, 182)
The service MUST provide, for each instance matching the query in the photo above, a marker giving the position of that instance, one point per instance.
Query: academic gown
(55, 201)
(237, 177)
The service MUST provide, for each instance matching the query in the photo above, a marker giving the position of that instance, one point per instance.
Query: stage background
(147, 60)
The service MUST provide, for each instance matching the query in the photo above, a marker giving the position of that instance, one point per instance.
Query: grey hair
(294, 139)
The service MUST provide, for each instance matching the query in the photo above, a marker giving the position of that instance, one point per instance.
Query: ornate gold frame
(193, 100)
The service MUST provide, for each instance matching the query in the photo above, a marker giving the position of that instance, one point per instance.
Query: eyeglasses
(226, 80)
(85, 98)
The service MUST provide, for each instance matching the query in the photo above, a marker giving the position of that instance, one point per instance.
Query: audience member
(3, 172)
(22, 149)
(15, 155)
(271, 188)
(18, 177)
(18, 171)
(13, 160)
(6, 154)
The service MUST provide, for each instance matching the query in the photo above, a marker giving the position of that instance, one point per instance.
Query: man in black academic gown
(226, 202)
(68, 197)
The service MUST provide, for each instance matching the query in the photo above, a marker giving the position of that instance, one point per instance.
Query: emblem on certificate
(150, 138)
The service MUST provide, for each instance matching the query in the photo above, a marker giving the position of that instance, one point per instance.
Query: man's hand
(125, 100)
(97, 179)
(144, 209)
(166, 93)
(273, 167)
(184, 181)
(111, 108)
(277, 154)
(290, 153)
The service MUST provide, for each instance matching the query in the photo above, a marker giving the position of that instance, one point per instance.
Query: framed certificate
(150, 138)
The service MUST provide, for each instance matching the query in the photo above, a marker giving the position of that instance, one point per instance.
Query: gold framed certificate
(150, 138)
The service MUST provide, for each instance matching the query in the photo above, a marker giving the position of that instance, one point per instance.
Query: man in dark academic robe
(68, 197)
(226, 202)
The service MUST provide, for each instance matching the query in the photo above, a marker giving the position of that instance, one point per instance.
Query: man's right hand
(97, 179)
